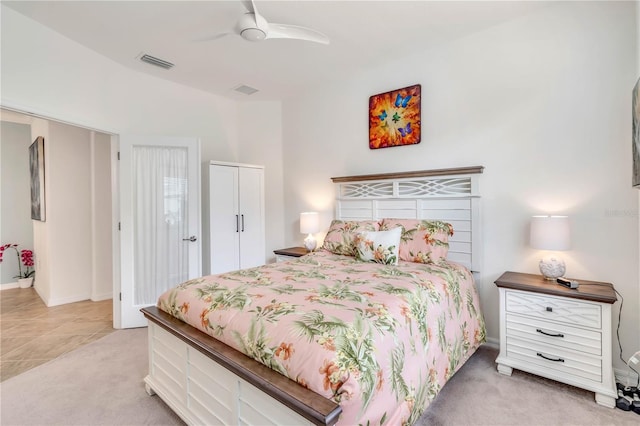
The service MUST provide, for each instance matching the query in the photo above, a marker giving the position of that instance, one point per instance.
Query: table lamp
(550, 233)
(309, 224)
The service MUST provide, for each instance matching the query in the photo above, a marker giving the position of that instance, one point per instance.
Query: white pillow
(379, 246)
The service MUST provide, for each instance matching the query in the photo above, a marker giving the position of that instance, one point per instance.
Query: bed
(328, 338)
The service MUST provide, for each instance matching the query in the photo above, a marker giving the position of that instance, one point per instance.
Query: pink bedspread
(380, 340)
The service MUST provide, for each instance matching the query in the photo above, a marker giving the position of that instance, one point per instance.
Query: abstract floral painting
(36, 168)
(394, 118)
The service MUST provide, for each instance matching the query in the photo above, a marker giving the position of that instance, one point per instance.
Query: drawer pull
(549, 309)
(550, 359)
(549, 334)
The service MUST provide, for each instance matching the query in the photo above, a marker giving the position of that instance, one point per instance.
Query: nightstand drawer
(566, 362)
(560, 309)
(536, 330)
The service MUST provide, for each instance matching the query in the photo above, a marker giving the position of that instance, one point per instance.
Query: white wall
(69, 224)
(77, 85)
(101, 220)
(542, 102)
(260, 142)
(15, 139)
(46, 73)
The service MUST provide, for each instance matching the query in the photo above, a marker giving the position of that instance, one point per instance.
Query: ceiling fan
(253, 27)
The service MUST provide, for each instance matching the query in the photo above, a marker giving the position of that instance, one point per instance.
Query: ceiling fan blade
(295, 32)
(211, 38)
(249, 5)
(251, 8)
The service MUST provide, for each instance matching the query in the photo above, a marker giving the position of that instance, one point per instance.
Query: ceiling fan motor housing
(253, 34)
(252, 27)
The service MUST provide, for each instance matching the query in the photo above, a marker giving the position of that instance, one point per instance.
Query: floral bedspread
(380, 340)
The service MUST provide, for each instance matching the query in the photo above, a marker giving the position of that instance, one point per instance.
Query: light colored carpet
(97, 384)
(101, 384)
(478, 395)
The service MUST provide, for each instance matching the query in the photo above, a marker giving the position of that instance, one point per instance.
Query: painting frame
(36, 168)
(635, 143)
(395, 118)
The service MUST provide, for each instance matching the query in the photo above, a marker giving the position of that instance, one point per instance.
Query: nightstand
(290, 253)
(558, 333)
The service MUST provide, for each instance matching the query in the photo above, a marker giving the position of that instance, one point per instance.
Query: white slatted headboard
(450, 195)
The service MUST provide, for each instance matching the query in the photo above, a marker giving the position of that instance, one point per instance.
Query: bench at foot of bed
(207, 382)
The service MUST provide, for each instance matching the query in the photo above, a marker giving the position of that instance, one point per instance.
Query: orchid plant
(25, 257)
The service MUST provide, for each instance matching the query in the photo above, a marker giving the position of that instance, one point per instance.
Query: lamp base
(552, 267)
(310, 243)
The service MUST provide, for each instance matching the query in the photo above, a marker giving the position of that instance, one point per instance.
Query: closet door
(252, 229)
(224, 219)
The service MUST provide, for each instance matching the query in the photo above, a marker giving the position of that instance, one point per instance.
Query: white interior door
(160, 219)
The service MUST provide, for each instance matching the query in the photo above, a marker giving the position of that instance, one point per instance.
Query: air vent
(245, 89)
(156, 61)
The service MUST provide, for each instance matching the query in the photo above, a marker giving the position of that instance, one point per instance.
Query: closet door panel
(224, 219)
(252, 226)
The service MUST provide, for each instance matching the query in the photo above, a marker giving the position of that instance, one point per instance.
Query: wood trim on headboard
(416, 174)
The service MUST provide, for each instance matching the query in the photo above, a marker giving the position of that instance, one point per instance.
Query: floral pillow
(341, 236)
(379, 247)
(422, 241)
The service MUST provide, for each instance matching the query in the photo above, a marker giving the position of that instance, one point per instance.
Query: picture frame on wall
(36, 168)
(635, 117)
(395, 118)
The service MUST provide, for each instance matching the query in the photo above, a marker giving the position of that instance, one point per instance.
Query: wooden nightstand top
(587, 290)
(292, 251)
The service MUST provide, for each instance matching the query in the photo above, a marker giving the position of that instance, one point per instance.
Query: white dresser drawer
(552, 333)
(562, 310)
(560, 360)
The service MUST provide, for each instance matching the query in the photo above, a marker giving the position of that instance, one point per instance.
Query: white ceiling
(363, 34)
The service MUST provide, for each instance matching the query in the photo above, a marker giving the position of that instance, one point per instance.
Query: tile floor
(32, 334)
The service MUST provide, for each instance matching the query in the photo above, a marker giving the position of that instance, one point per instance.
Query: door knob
(191, 238)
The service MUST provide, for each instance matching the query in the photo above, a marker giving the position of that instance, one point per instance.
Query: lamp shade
(309, 222)
(550, 233)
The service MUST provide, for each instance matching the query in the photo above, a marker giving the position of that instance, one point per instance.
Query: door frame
(115, 231)
(35, 111)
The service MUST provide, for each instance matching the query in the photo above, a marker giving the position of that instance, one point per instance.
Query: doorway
(78, 250)
(73, 246)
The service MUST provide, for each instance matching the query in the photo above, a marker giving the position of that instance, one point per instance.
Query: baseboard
(103, 296)
(8, 286)
(65, 300)
(492, 342)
